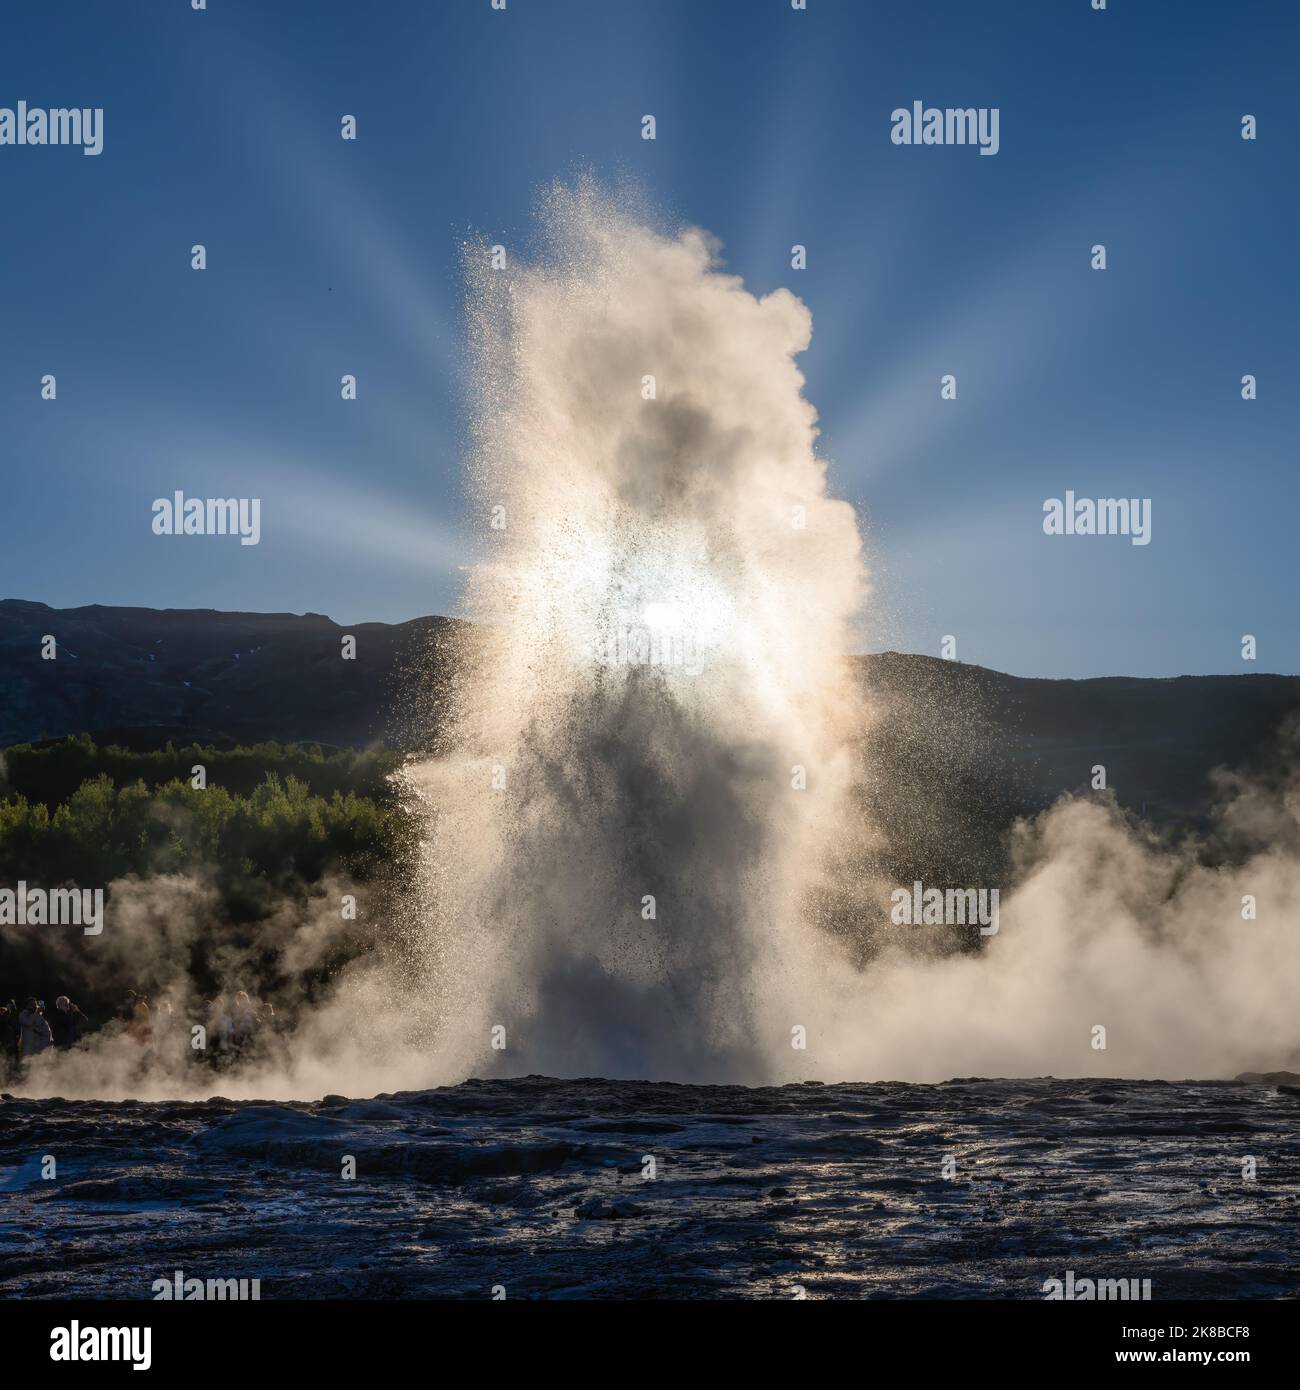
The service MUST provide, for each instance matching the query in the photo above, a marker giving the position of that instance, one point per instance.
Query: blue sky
(773, 127)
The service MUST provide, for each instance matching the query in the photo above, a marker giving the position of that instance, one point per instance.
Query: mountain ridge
(944, 729)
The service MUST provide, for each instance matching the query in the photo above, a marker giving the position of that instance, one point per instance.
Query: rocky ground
(537, 1186)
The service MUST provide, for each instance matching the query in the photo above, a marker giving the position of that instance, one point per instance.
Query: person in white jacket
(34, 1030)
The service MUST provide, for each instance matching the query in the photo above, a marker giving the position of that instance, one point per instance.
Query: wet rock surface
(537, 1185)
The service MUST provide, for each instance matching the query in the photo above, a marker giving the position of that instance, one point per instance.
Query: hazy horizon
(459, 617)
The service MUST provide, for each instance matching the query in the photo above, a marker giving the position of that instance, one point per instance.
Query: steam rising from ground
(657, 707)
(1105, 927)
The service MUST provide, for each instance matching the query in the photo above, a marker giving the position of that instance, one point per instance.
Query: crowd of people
(29, 1031)
(224, 1028)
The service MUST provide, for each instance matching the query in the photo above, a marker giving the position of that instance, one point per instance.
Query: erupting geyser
(643, 855)
(648, 756)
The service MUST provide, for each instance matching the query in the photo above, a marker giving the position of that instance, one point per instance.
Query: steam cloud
(655, 704)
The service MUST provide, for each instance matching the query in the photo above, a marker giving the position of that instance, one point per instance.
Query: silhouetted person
(67, 1023)
(8, 1040)
(36, 1036)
